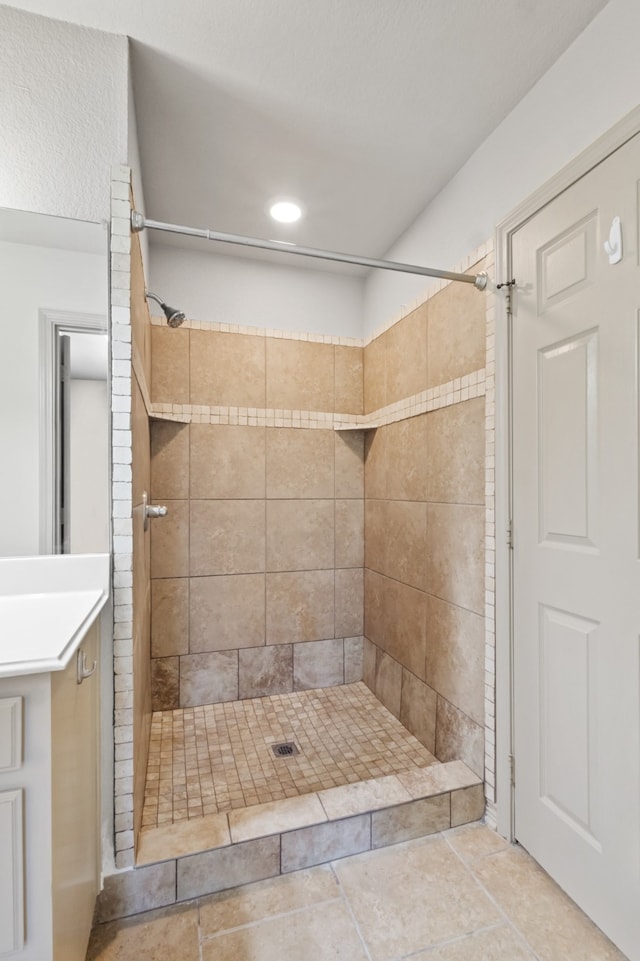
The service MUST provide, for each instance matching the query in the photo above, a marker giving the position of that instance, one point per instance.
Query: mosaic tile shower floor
(218, 757)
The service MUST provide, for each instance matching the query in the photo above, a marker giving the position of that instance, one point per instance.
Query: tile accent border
(444, 395)
(267, 840)
(122, 505)
(490, 549)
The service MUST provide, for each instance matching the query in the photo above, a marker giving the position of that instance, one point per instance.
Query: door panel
(576, 576)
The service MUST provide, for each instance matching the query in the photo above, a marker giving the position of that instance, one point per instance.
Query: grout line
(501, 911)
(271, 917)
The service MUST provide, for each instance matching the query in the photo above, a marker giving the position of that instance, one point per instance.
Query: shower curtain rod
(139, 222)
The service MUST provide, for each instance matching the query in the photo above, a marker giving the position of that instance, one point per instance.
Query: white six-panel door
(576, 587)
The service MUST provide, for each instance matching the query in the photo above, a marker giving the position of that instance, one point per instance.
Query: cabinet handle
(82, 671)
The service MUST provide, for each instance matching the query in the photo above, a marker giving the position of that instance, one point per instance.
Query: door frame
(51, 323)
(595, 154)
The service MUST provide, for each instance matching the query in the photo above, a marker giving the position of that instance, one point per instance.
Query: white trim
(50, 323)
(602, 148)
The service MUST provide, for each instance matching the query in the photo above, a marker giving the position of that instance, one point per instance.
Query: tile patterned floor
(206, 760)
(464, 895)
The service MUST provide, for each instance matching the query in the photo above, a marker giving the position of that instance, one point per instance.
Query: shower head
(174, 317)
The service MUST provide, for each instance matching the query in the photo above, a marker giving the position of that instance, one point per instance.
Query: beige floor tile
(496, 944)
(476, 841)
(265, 899)
(412, 897)
(322, 933)
(554, 927)
(170, 933)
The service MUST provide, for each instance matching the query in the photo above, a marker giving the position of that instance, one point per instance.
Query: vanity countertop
(47, 604)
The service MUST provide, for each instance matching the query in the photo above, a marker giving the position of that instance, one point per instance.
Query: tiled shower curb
(267, 840)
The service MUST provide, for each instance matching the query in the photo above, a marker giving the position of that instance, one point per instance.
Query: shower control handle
(151, 510)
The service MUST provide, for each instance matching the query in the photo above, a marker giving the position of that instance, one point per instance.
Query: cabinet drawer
(10, 734)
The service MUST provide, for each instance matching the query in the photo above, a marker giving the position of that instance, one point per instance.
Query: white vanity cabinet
(49, 775)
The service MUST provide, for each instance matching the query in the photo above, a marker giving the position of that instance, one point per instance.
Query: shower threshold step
(191, 858)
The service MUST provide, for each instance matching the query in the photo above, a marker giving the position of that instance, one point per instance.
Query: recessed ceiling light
(285, 211)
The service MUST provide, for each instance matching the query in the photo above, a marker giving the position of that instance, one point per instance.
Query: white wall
(32, 278)
(63, 115)
(89, 466)
(593, 85)
(235, 290)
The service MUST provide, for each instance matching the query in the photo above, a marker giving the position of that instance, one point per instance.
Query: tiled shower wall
(425, 527)
(257, 569)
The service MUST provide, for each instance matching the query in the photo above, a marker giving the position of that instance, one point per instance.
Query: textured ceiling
(361, 109)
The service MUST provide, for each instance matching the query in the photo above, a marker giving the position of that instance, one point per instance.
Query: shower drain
(286, 749)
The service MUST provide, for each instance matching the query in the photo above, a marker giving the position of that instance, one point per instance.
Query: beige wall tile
(407, 821)
(300, 463)
(227, 462)
(456, 445)
(405, 636)
(140, 445)
(208, 678)
(455, 656)
(405, 542)
(467, 805)
(456, 335)
(300, 606)
(406, 459)
(349, 602)
(418, 710)
(170, 541)
(318, 664)
(300, 375)
(227, 867)
(388, 682)
(375, 374)
(169, 365)
(140, 320)
(227, 369)
(353, 659)
(458, 737)
(349, 533)
(165, 683)
(406, 358)
(300, 535)
(325, 842)
(375, 534)
(169, 460)
(226, 612)
(227, 537)
(369, 657)
(349, 463)
(349, 380)
(169, 617)
(376, 593)
(266, 670)
(375, 463)
(455, 563)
